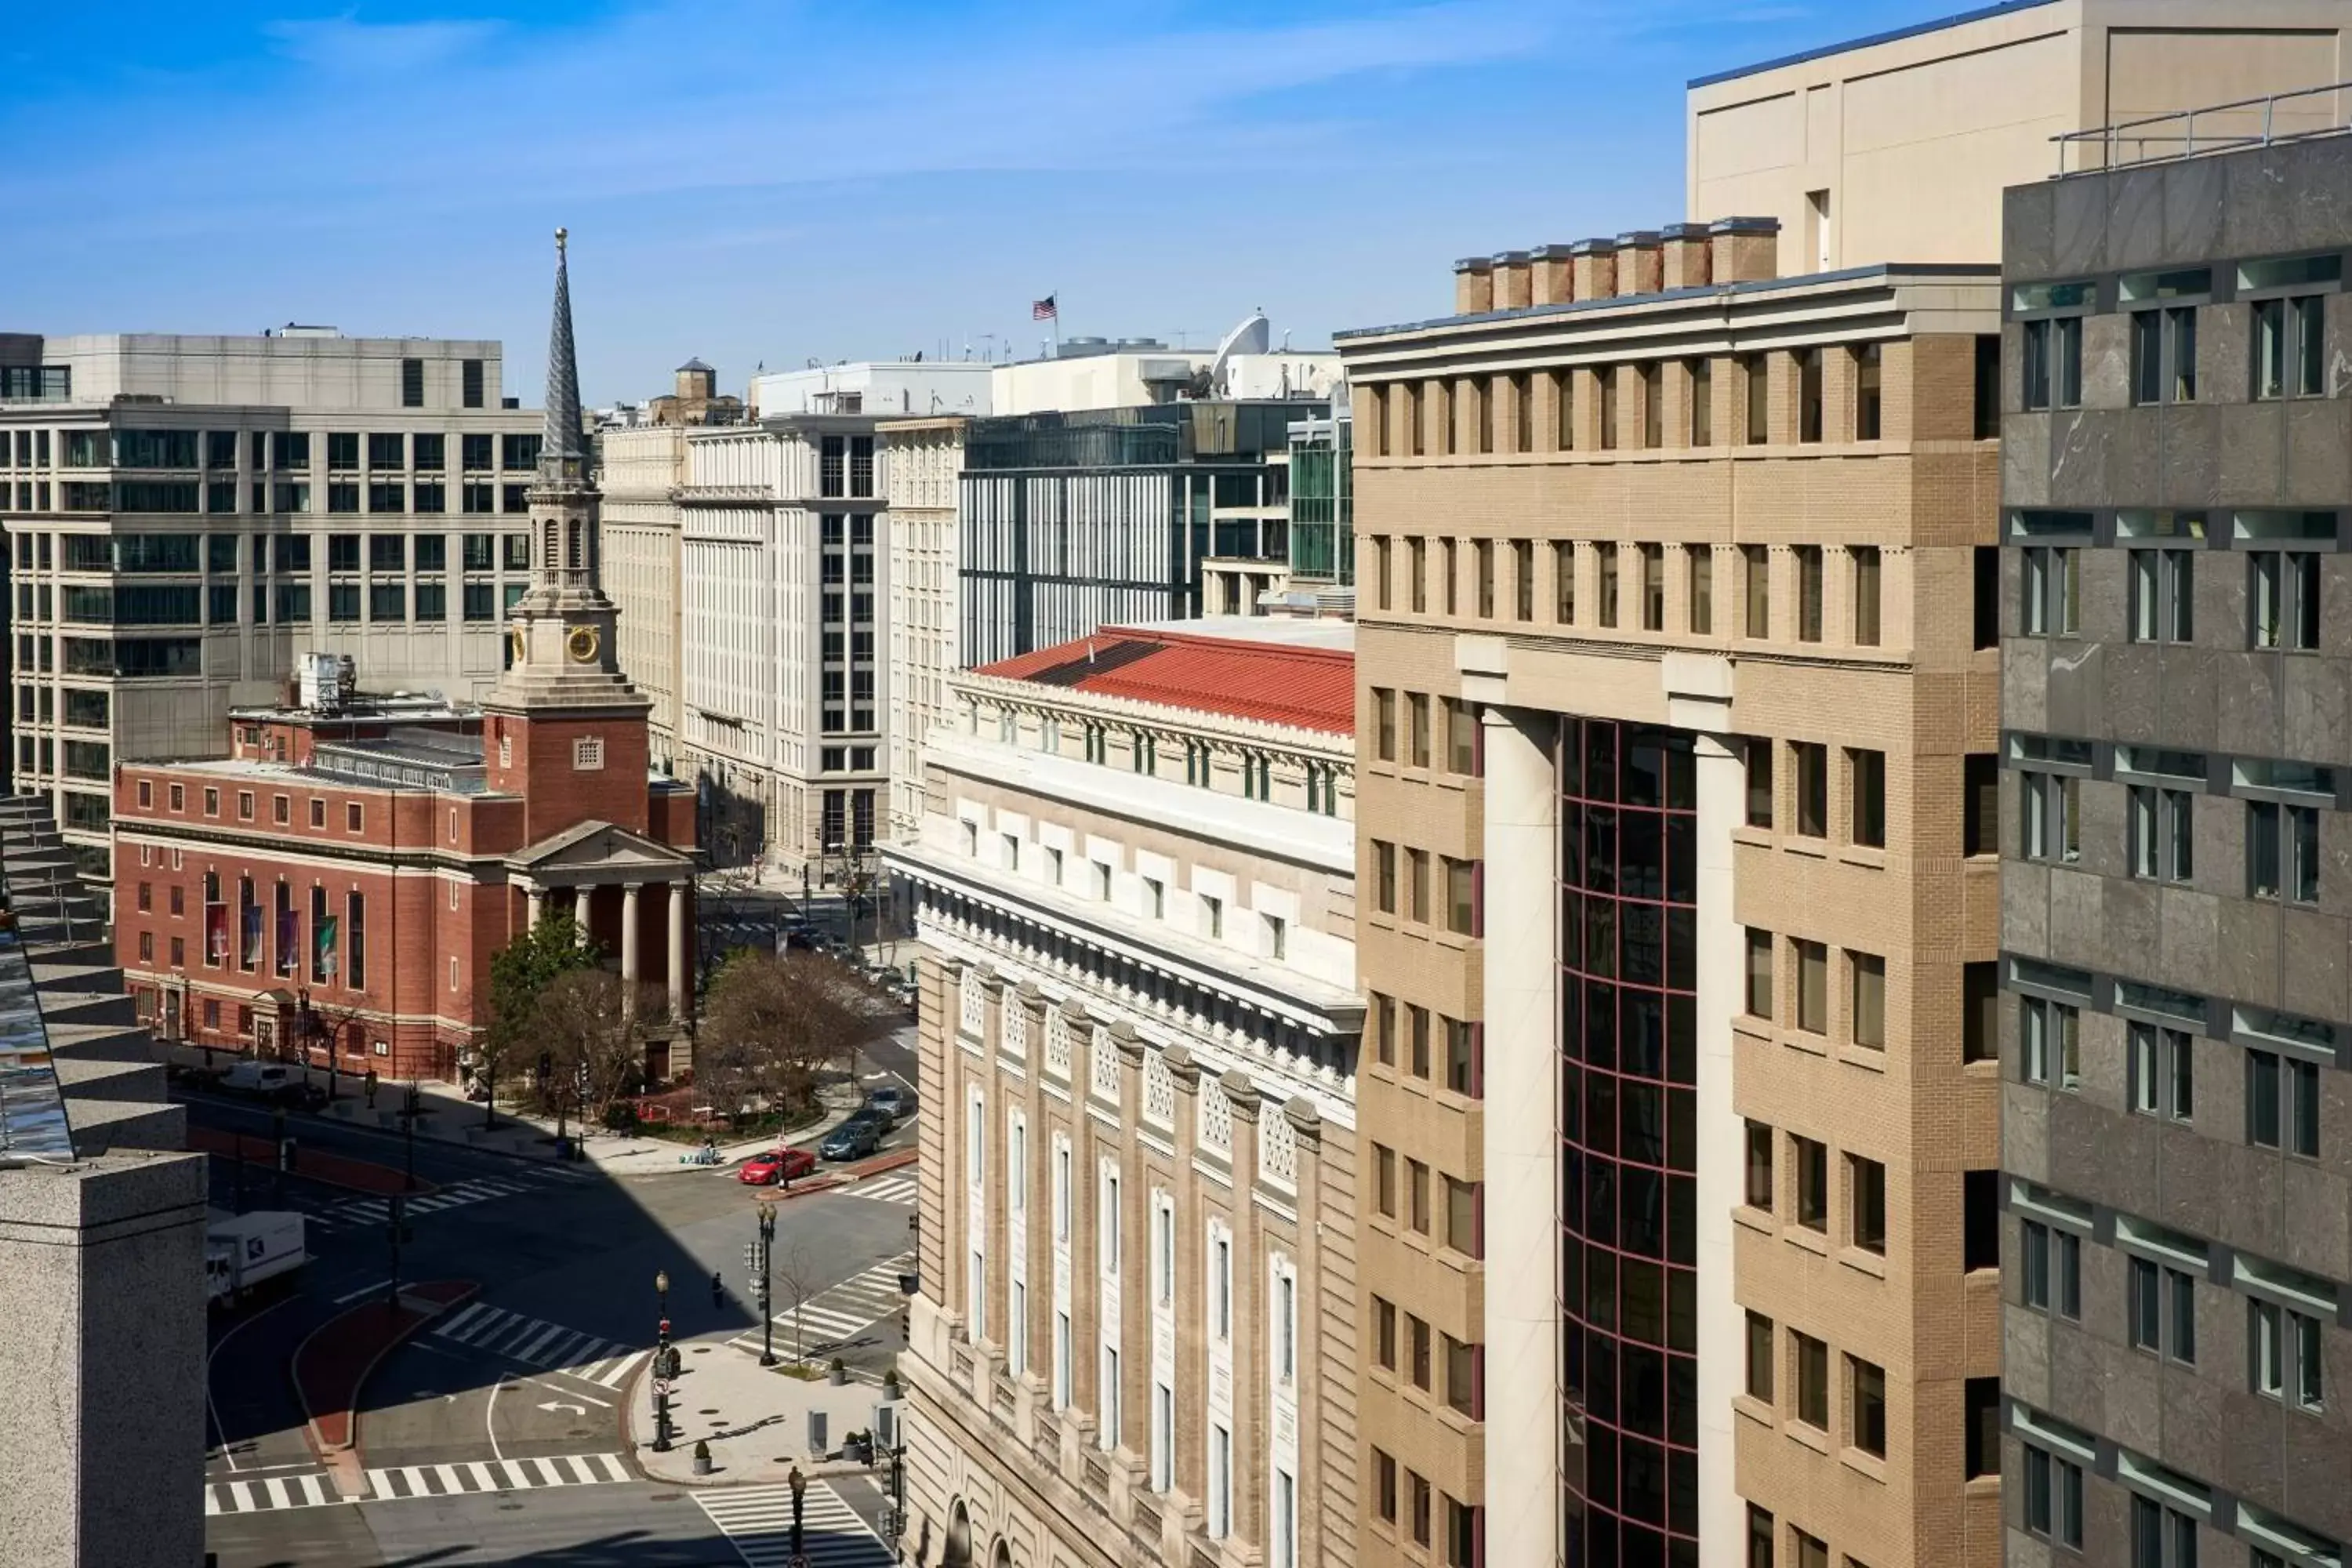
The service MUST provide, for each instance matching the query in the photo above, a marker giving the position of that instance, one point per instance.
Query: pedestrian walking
(717, 1289)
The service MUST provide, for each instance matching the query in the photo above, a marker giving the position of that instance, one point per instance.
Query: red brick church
(337, 884)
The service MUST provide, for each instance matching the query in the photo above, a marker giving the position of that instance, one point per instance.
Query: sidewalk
(755, 1418)
(447, 1116)
(311, 1164)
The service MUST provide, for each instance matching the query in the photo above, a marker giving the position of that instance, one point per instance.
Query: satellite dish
(1251, 337)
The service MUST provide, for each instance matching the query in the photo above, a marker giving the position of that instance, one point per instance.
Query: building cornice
(1283, 993)
(1283, 833)
(1860, 304)
(1329, 745)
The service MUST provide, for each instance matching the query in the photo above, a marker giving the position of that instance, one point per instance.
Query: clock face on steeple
(520, 644)
(581, 645)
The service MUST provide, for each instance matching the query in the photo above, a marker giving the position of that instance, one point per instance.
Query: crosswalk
(495, 1476)
(758, 1522)
(262, 1494)
(537, 1342)
(839, 1312)
(892, 1189)
(378, 1211)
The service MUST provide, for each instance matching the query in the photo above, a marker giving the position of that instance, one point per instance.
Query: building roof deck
(1301, 673)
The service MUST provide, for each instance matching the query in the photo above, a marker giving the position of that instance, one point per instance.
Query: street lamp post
(661, 1364)
(408, 1117)
(799, 1484)
(766, 1246)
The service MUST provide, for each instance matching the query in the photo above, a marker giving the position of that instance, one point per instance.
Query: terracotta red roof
(1282, 683)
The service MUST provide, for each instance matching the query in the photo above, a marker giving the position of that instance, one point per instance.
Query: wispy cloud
(773, 178)
(346, 46)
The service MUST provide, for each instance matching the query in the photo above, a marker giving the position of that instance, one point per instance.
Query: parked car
(853, 1140)
(891, 1101)
(273, 1082)
(776, 1166)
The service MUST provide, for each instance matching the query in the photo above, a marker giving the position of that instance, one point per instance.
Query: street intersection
(496, 1434)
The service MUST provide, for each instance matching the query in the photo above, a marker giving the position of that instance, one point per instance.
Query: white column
(629, 949)
(579, 907)
(538, 898)
(1521, 1064)
(1722, 1327)
(677, 893)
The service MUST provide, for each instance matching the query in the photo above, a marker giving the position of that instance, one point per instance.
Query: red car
(776, 1166)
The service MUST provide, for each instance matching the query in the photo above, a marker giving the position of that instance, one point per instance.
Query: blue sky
(768, 180)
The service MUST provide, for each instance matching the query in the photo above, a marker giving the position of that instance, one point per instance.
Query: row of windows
(1307, 782)
(2283, 841)
(1605, 584)
(1788, 1178)
(1863, 788)
(1401, 885)
(283, 552)
(291, 497)
(1606, 407)
(1209, 921)
(2281, 1092)
(385, 603)
(272, 451)
(1405, 1190)
(2285, 306)
(2282, 603)
(2285, 1356)
(1809, 974)
(337, 947)
(1430, 1046)
(1403, 1501)
(282, 808)
(2167, 1519)
(1436, 1363)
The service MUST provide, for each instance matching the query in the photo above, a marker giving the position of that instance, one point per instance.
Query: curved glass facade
(1629, 830)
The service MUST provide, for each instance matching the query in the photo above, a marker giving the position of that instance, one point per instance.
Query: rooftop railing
(2183, 134)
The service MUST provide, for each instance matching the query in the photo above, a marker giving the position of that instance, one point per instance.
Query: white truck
(244, 1251)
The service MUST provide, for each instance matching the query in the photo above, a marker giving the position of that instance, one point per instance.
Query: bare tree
(792, 1276)
(773, 1024)
(595, 1054)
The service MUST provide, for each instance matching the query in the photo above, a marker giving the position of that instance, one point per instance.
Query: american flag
(1043, 310)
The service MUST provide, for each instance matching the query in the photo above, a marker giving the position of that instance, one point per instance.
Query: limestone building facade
(1136, 1338)
(639, 472)
(920, 459)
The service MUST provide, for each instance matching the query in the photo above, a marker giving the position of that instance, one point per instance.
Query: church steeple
(563, 441)
(561, 638)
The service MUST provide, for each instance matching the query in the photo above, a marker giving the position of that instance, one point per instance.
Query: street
(467, 1430)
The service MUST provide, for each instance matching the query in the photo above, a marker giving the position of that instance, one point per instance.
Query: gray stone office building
(2174, 1024)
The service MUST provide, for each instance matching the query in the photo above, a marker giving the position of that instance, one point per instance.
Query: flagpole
(1055, 295)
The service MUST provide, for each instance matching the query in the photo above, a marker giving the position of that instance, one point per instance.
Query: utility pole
(408, 1119)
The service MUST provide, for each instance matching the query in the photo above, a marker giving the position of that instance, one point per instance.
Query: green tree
(519, 973)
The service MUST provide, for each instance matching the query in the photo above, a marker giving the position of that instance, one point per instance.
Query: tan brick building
(1671, 674)
(1677, 655)
(1136, 1338)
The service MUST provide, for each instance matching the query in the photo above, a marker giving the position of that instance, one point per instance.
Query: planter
(839, 1373)
(701, 1457)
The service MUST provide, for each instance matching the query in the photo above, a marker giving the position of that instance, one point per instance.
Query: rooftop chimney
(1474, 285)
(1637, 262)
(1554, 279)
(1594, 268)
(1746, 249)
(1511, 280)
(1686, 253)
